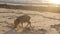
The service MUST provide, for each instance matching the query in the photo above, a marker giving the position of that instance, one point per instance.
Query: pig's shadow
(27, 31)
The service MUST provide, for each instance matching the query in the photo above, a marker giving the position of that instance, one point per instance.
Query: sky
(23, 1)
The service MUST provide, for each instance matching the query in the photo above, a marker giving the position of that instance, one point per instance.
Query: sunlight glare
(54, 1)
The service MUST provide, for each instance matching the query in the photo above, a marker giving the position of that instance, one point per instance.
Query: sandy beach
(39, 20)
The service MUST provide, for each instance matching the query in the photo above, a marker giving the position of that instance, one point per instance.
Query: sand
(39, 20)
